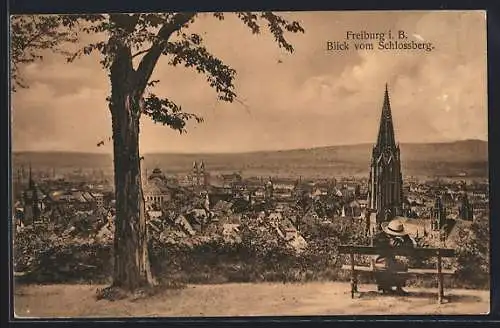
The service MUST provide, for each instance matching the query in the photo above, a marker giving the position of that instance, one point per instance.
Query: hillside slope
(469, 156)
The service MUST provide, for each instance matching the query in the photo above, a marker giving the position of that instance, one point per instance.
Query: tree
(146, 38)
(30, 37)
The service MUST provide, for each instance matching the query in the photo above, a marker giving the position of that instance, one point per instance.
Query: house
(284, 184)
(259, 193)
(99, 199)
(285, 193)
(311, 215)
(303, 187)
(182, 222)
(230, 180)
(200, 215)
(222, 208)
(230, 229)
(318, 192)
(153, 215)
(363, 204)
(298, 243)
(290, 233)
(106, 233)
(352, 209)
(275, 218)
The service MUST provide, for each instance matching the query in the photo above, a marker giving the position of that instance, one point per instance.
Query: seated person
(393, 235)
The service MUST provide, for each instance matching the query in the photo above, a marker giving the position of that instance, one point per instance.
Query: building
(60, 204)
(156, 190)
(269, 190)
(283, 189)
(199, 176)
(232, 181)
(99, 199)
(465, 208)
(385, 192)
(438, 214)
(33, 204)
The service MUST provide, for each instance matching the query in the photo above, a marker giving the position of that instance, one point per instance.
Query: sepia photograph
(236, 164)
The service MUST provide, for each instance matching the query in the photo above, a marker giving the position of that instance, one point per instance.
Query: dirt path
(243, 300)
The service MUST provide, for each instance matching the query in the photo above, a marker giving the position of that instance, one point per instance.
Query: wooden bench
(423, 253)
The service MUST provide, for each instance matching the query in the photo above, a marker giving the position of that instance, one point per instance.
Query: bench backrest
(417, 252)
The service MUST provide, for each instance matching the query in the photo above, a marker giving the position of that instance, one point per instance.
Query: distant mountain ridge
(447, 158)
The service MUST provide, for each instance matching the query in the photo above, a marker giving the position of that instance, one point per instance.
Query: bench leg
(440, 280)
(354, 286)
(354, 280)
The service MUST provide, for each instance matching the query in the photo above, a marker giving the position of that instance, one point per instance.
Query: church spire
(386, 181)
(386, 130)
(31, 184)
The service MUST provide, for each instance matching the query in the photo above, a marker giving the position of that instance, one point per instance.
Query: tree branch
(148, 62)
(140, 52)
(192, 54)
(168, 113)
(125, 22)
(32, 34)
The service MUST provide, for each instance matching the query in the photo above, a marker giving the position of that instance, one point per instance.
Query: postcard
(250, 164)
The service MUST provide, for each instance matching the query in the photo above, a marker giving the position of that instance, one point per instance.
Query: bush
(259, 256)
(473, 256)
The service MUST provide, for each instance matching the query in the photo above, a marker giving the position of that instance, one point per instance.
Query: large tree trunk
(132, 266)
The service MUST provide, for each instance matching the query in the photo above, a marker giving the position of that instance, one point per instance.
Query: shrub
(260, 256)
(473, 256)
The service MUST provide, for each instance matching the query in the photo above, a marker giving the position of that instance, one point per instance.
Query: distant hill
(441, 159)
(62, 160)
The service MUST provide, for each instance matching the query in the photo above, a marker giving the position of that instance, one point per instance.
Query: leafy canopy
(149, 36)
(29, 37)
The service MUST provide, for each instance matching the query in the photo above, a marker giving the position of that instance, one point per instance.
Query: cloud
(309, 98)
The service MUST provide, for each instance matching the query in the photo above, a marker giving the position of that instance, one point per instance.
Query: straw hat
(394, 228)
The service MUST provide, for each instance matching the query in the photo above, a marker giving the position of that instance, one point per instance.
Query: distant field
(439, 159)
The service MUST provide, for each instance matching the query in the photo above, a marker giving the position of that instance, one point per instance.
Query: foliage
(168, 113)
(31, 35)
(48, 255)
(149, 36)
(130, 51)
(473, 252)
(262, 244)
(260, 256)
(29, 243)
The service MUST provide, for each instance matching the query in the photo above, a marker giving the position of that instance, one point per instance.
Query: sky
(311, 98)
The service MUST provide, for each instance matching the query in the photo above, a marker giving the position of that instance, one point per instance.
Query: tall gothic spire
(386, 129)
(386, 182)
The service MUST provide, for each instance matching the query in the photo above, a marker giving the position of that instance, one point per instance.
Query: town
(304, 180)
(200, 204)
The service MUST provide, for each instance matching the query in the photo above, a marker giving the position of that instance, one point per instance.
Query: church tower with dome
(385, 191)
(156, 190)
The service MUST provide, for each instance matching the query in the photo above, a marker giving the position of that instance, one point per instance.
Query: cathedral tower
(438, 214)
(385, 193)
(202, 175)
(32, 206)
(465, 208)
(195, 174)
